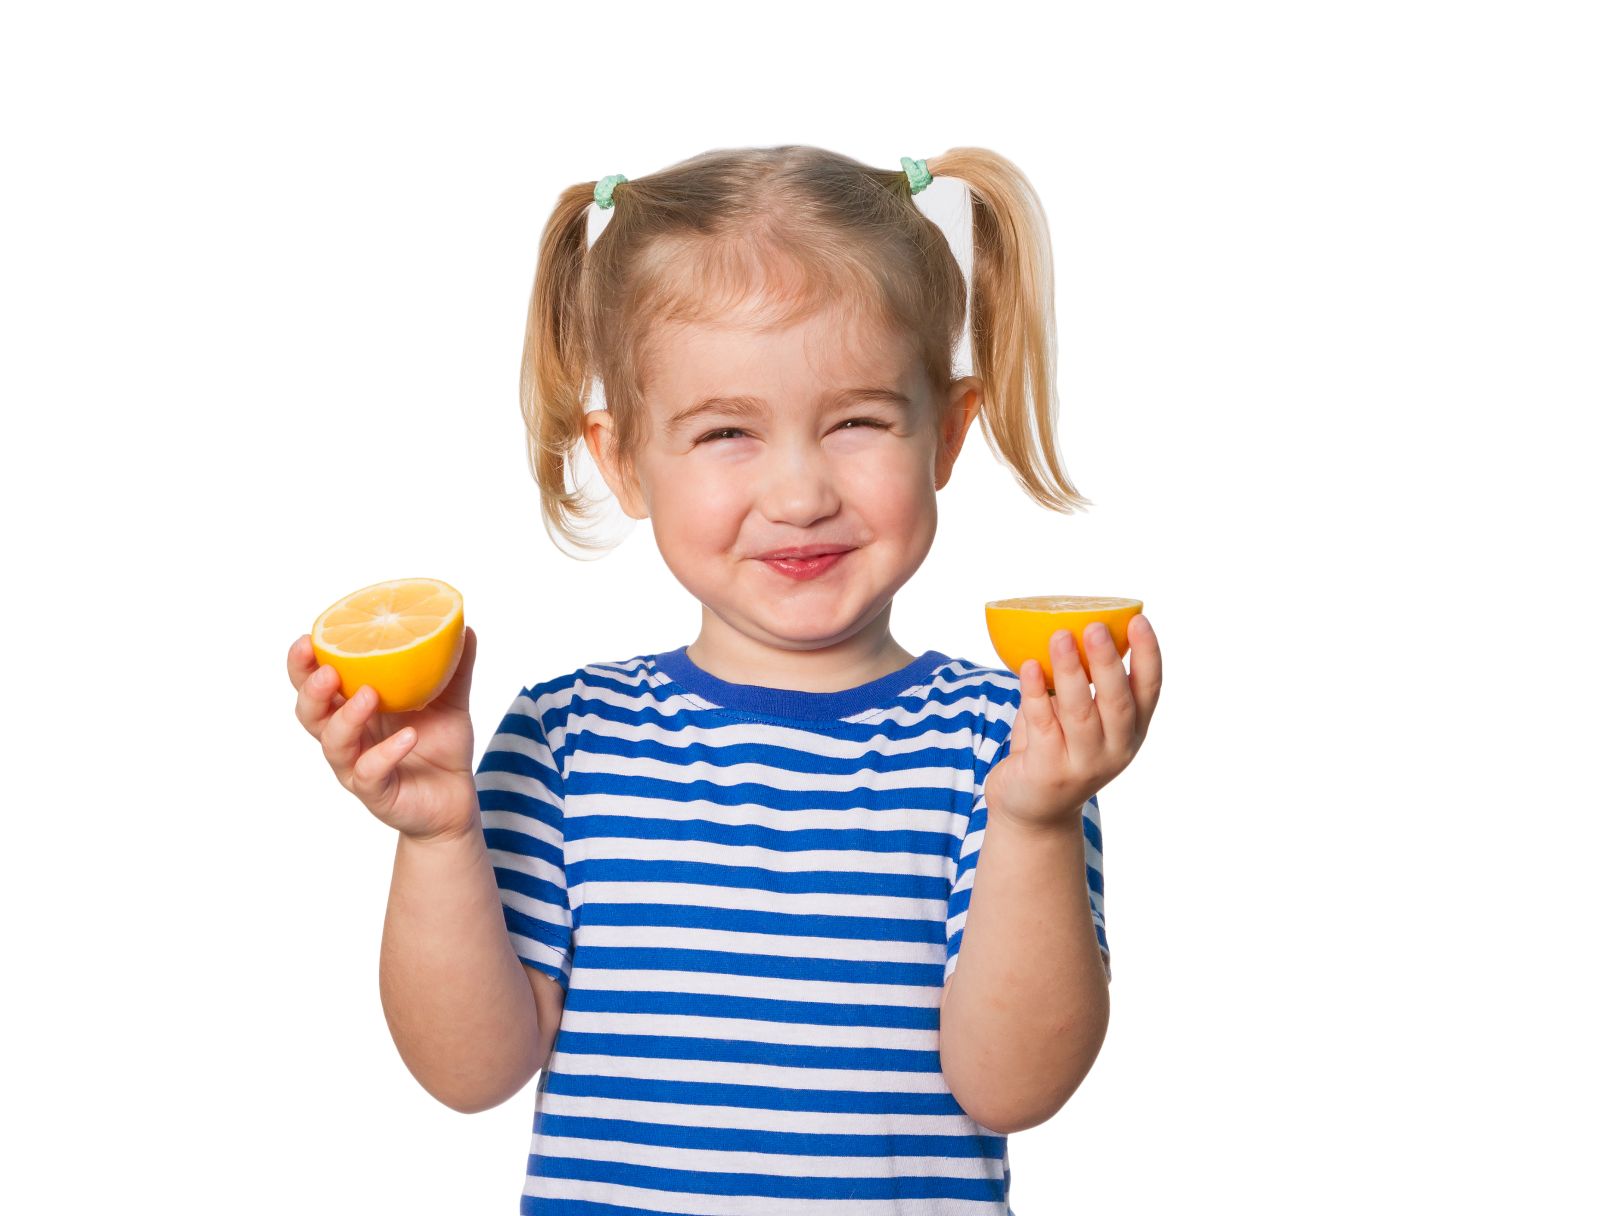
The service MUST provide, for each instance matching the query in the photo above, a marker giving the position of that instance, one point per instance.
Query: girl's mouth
(805, 567)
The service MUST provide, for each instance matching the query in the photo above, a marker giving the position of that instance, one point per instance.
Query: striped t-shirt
(752, 897)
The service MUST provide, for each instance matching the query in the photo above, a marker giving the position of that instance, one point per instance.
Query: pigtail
(1013, 321)
(556, 365)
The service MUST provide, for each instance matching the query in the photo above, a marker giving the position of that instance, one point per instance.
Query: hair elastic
(603, 189)
(917, 172)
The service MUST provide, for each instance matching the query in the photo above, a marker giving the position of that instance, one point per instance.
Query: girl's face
(824, 433)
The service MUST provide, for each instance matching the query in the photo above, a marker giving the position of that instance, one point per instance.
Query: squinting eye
(734, 430)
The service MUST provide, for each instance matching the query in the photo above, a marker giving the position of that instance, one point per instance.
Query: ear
(961, 407)
(599, 434)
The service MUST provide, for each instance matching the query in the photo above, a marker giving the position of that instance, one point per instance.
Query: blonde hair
(795, 227)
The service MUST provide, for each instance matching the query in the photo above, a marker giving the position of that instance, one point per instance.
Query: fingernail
(1099, 634)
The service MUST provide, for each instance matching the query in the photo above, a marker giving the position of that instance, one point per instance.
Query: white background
(1328, 314)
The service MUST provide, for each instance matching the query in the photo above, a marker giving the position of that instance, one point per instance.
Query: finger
(316, 701)
(1145, 661)
(1043, 729)
(342, 734)
(373, 773)
(1019, 729)
(1078, 723)
(1112, 696)
(302, 661)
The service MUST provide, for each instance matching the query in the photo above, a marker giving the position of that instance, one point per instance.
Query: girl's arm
(1026, 1010)
(472, 1022)
(1019, 1031)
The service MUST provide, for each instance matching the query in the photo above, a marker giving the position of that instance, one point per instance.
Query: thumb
(455, 694)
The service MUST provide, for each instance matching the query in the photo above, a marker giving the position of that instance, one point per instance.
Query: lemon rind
(1100, 603)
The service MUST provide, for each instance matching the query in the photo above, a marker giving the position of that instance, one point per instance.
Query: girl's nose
(798, 487)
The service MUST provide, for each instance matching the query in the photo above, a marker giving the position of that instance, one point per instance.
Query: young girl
(718, 894)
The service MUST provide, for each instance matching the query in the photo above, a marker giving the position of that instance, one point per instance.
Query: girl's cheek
(711, 490)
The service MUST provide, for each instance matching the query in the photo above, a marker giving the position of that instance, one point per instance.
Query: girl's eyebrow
(749, 407)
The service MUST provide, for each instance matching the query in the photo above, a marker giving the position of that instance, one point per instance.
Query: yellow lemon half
(403, 637)
(1020, 628)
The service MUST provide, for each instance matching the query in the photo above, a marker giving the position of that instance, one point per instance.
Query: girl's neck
(869, 654)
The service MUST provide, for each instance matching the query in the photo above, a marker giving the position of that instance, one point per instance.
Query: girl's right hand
(423, 787)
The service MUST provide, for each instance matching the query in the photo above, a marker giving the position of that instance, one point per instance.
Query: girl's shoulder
(600, 679)
(965, 679)
(968, 673)
(992, 694)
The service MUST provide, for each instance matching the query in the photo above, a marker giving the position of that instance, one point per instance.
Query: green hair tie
(603, 189)
(917, 171)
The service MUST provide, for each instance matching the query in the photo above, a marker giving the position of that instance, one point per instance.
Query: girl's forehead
(827, 348)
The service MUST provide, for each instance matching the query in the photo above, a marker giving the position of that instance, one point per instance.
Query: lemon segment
(1020, 627)
(403, 637)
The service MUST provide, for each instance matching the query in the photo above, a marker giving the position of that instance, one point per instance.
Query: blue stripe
(736, 1140)
(602, 785)
(775, 1186)
(742, 920)
(784, 759)
(741, 1051)
(783, 967)
(533, 1205)
(530, 885)
(540, 930)
(760, 1009)
(758, 1097)
(558, 718)
(709, 874)
(1091, 833)
(518, 763)
(865, 840)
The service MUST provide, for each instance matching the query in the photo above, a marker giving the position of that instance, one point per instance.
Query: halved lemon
(404, 637)
(1020, 628)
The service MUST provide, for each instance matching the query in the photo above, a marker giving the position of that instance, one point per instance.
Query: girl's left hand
(1068, 747)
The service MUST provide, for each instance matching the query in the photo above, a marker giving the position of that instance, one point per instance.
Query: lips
(803, 568)
(804, 551)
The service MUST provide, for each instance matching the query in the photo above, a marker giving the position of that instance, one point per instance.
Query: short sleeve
(520, 803)
(967, 865)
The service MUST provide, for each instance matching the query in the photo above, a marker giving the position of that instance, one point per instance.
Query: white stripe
(779, 861)
(798, 1165)
(688, 1114)
(525, 863)
(692, 810)
(801, 779)
(834, 992)
(739, 734)
(538, 909)
(514, 783)
(786, 945)
(754, 899)
(737, 1072)
(749, 1030)
(681, 1203)
(535, 950)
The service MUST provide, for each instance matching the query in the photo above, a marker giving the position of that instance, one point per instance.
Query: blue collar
(792, 703)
